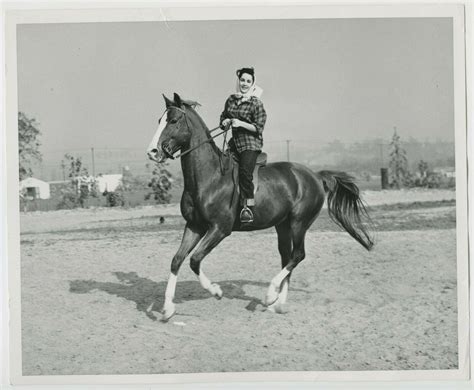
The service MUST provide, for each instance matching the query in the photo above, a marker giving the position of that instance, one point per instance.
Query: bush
(427, 178)
(69, 200)
(114, 198)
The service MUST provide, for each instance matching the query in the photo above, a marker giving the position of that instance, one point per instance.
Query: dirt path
(87, 280)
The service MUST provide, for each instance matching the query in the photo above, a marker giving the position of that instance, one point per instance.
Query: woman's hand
(225, 123)
(237, 123)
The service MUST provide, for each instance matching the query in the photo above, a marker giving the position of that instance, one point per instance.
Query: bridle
(169, 152)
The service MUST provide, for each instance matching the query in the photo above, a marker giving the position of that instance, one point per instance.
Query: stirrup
(246, 215)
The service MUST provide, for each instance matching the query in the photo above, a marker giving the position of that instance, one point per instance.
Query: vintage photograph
(240, 195)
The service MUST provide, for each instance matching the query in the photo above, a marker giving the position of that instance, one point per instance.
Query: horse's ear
(177, 100)
(168, 102)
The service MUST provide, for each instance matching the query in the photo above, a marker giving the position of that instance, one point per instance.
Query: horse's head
(173, 131)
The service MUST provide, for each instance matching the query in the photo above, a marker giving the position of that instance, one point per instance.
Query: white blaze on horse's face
(153, 150)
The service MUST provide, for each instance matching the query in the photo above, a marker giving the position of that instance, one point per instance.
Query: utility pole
(93, 163)
(288, 149)
(63, 167)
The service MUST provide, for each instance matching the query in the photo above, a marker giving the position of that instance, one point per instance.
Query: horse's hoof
(269, 301)
(216, 291)
(271, 309)
(166, 316)
(168, 313)
(272, 296)
(277, 308)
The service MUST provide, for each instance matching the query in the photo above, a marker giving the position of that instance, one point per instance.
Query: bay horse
(289, 196)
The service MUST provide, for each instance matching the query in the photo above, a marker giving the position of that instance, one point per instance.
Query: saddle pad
(255, 178)
(261, 159)
(261, 162)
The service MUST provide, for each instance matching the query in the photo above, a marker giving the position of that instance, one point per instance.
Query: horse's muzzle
(155, 155)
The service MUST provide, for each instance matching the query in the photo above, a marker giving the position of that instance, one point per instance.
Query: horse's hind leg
(190, 239)
(298, 232)
(284, 247)
(212, 238)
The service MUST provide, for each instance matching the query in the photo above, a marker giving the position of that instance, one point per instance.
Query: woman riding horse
(244, 111)
(290, 198)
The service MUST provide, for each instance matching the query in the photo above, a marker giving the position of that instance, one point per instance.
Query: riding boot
(246, 215)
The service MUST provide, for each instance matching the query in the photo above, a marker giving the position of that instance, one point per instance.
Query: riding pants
(248, 158)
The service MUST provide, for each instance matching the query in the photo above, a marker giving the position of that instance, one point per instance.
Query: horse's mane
(191, 104)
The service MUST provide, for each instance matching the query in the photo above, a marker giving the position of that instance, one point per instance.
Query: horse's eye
(174, 120)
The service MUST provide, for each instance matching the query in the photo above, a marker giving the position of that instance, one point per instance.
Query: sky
(101, 84)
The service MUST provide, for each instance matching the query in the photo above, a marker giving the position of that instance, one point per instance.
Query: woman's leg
(248, 159)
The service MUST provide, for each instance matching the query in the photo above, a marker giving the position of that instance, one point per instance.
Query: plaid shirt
(250, 111)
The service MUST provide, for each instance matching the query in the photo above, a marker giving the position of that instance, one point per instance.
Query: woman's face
(245, 82)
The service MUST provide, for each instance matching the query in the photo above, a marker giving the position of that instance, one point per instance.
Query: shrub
(114, 198)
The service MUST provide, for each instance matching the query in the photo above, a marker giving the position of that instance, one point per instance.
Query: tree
(160, 184)
(114, 198)
(128, 185)
(82, 185)
(28, 145)
(398, 162)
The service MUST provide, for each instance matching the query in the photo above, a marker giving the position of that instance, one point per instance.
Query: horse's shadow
(145, 292)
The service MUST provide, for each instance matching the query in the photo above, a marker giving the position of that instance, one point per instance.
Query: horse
(290, 197)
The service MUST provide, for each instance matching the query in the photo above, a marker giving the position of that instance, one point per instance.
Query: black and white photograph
(237, 192)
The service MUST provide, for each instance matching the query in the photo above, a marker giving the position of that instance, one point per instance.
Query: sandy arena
(89, 275)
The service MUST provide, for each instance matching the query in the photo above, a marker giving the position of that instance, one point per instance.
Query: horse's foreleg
(212, 238)
(190, 239)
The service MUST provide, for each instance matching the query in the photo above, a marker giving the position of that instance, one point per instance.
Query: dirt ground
(89, 275)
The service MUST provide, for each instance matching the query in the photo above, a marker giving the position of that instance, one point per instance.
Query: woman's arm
(259, 117)
(247, 126)
(225, 114)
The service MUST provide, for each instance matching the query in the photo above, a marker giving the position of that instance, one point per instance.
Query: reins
(224, 131)
(204, 142)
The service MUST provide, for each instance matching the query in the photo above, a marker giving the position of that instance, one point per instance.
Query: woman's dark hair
(250, 71)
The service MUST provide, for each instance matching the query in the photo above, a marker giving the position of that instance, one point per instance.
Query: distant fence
(132, 199)
(366, 156)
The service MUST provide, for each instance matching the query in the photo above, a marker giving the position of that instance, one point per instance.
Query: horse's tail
(345, 206)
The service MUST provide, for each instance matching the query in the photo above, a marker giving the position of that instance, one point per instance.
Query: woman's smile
(245, 82)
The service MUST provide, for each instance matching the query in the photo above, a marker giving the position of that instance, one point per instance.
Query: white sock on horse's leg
(277, 280)
(169, 307)
(275, 287)
(284, 292)
(213, 288)
(277, 306)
